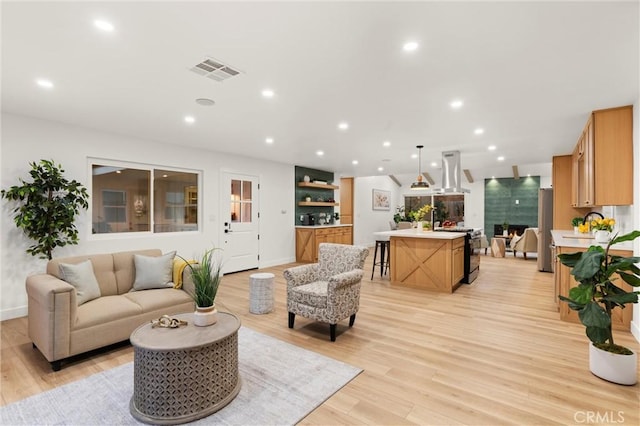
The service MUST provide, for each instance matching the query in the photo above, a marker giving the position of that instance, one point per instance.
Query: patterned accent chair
(327, 291)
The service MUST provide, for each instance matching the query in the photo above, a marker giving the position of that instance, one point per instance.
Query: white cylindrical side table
(261, 293)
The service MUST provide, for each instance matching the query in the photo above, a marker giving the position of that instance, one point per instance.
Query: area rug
(281, 384)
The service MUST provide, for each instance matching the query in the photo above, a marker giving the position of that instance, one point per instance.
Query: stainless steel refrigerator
(545, 222)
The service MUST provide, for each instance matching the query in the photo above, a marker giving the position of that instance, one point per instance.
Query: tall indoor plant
(47, 207)
(206, 275)
(595, 298)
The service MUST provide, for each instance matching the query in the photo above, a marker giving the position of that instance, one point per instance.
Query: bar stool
(382, 241)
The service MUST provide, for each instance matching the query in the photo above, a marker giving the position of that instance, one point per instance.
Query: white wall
(366, 220)
(26, 140)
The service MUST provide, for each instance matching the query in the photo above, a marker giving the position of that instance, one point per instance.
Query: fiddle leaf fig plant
(47, 207)
(597, 295)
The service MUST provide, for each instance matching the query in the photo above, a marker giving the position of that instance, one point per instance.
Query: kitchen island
(565, 241)
(427, 260)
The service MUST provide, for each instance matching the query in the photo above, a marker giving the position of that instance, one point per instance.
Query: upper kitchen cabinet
(602, 161)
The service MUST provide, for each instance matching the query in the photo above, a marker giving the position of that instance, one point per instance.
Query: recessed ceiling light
(493, 177)
(491, 147)
(414, 155)
(386, 144)
(478, 131)
(268, 93)
(410, 46)
(164, 176)
(528, 174)
(269, 140)
(354, 162)
(380, 169)
(456, 104)
(501, 158)
(118, 171)
(343, 125)
(205, 102)
(434, 164)
(103, 25)
(47, 84)
(319, 153)
(189, 119)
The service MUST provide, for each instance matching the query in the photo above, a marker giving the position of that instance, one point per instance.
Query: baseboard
(8, 314)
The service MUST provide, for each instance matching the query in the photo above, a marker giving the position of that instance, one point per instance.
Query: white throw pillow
(153, 271)
(81, 276)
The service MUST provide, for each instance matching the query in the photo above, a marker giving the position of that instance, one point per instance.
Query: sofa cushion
(153, 271)
(151, 300)
(105, 309)
(81, 276)
(124, 268)
(102, 269)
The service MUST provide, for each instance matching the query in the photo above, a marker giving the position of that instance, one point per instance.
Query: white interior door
(240, 219)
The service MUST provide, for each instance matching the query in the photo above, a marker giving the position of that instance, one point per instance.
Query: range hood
(451, 171)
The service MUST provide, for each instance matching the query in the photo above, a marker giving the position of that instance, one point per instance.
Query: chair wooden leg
(332, 332)
(292, 318)
(352, 319)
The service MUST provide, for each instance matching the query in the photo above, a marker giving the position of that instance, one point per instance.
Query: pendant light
(419, 183)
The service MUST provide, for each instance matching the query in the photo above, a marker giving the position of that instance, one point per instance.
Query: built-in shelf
(317, 203)
(317, 185)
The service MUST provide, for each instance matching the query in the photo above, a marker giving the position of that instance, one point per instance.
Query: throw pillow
(153, 272)
(81, 276)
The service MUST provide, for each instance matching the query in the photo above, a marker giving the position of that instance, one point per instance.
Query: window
(126, 199)
(241, 199)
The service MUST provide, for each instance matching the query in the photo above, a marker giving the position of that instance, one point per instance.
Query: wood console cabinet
(564, 281)
(602, 161)
(308, 239)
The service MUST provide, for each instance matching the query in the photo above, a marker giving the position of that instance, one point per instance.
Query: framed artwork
(381, 199)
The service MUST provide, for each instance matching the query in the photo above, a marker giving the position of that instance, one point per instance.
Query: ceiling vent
(215, 69)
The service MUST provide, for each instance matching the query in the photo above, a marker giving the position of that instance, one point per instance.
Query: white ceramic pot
(601, 236)
(576, 230)
(203, 317)
(616, 368)
(505, 233)
(306, 178)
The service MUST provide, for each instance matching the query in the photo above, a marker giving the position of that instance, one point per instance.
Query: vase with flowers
(602, 229)
(420, 215)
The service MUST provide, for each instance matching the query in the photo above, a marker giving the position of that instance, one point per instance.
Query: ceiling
(528, 73)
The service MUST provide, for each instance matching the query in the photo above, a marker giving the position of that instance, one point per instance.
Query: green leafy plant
(423, 212)
(206, 276)
(47, 207)
(596, 295)
(576, 221)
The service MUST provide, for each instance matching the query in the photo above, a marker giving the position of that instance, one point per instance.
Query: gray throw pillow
(81, 276)
(153, 271)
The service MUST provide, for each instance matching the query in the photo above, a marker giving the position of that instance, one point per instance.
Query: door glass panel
(246, 212)
(236, 192)
(235, 211)
(246, 190)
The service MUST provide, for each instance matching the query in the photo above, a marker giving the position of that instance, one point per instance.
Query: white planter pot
(505, 233)
(203, 317)
(576, 230)
(620, 369)
(601, 236)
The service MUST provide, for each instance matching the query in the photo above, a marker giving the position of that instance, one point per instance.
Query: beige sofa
(60, 328)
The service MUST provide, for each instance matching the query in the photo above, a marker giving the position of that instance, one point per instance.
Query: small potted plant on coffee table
(206, 275)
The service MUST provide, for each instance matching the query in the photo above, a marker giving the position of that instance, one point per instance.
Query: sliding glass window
(127, 199)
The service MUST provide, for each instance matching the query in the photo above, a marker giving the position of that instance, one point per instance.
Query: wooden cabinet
(309, 238)
(602, 161)
(563, 192)
(564, 281)
(427, 263)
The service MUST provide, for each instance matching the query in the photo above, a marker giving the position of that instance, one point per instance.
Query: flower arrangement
(605, 224)
(422, 212)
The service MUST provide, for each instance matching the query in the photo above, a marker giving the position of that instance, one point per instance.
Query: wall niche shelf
(317, 203)
(316, 185)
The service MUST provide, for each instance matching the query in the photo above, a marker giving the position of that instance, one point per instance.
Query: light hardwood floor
(494, 352)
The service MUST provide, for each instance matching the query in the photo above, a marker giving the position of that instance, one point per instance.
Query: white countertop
(414, 233)
(323, 226)
(566, 238)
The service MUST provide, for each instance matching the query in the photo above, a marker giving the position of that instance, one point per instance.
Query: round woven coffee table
(186, 373)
